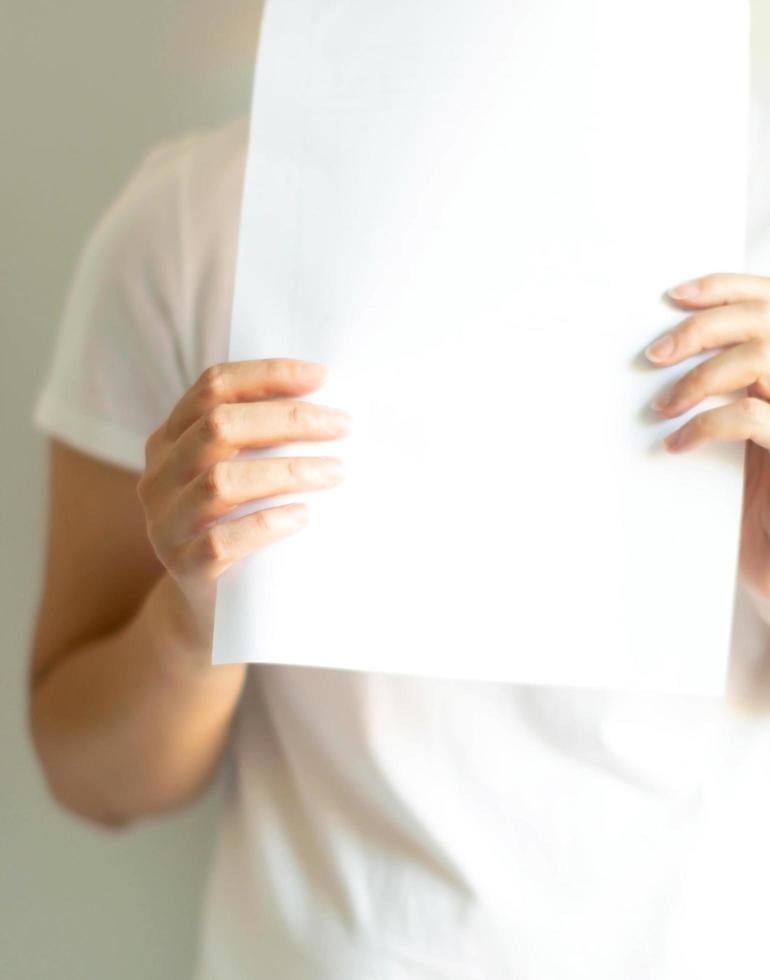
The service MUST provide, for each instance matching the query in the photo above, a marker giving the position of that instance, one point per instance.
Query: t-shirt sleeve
(117, 366)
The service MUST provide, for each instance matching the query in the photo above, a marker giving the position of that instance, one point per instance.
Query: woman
(376, 826)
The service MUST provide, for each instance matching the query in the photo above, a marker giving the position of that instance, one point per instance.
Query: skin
(127, 714)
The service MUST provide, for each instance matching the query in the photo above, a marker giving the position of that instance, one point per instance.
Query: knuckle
(141, 488)
(216, 482)
(145, 486)
(261, 521)
(274, 368)
(703, 422)
(215, 544)
(299, 415)
(295, 369)
(150, 445)
(295, 470)
(216, 424)
(212, 381)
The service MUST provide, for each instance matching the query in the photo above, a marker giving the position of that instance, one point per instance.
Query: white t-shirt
(383, 827)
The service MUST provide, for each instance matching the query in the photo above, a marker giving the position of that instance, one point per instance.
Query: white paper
(470, 212)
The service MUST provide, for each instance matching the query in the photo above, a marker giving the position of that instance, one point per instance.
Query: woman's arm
(127, 714)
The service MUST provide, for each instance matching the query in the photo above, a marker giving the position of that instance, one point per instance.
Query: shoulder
(148, 305)
(198, 174)
(167, 244)
(209, 167)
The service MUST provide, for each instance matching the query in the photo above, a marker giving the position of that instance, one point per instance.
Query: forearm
(133, 723)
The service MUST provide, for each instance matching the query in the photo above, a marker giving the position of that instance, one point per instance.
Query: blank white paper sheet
(470, 213)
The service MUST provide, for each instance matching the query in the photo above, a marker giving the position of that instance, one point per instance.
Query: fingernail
(685, 290)
(661, 349)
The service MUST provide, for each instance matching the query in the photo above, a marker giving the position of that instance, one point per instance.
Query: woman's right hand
(192, 478)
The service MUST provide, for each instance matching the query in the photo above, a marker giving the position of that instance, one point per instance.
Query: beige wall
(77, 904)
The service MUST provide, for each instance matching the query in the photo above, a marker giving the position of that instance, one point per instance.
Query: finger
(240, 381)
(716, 327)
(226, 485)
(746, 418)
(733, 369)
(720, 288)
(226, 429)
(218, 547)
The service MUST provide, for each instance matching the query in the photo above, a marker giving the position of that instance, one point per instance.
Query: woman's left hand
(730, 311)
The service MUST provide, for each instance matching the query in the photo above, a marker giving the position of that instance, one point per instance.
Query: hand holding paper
(192, 478)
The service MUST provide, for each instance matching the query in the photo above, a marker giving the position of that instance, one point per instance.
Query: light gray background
(85, 88)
